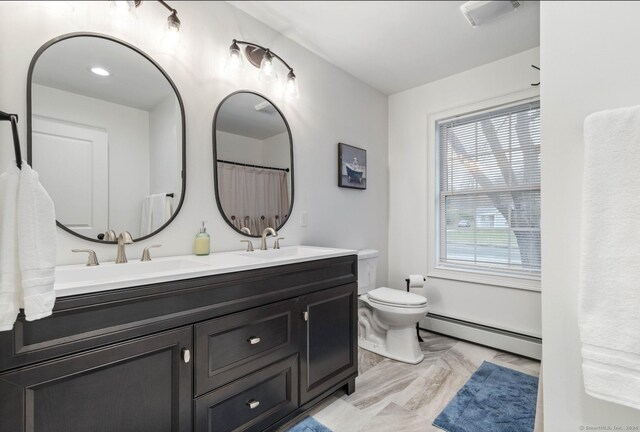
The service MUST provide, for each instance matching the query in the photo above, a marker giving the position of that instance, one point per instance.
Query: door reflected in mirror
(253, 163)
(106, 136)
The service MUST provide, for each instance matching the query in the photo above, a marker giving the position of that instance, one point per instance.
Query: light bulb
(291, 89)
(123, 13)
(267, 71)
(121, 6)
(234, 59)
(173, 21)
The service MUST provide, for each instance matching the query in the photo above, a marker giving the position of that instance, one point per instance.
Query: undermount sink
(111, 271)
(285, 252)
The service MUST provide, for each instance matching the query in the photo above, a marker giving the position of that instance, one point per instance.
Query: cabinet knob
(253, 403)
(253, 340)
(186, 355)
(305, 315)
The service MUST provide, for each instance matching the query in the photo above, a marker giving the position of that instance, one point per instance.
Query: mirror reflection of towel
(156, 211)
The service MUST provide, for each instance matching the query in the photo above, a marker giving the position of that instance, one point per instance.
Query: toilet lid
(396, 297)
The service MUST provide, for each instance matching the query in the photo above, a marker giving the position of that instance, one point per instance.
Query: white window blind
(489, 191)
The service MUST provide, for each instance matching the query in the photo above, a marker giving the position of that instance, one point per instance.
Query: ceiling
(397, 45)
(249, 115)
(133, 80)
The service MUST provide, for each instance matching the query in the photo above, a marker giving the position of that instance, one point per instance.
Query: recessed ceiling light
(100, 71)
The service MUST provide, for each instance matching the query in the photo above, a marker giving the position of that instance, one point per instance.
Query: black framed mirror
(106, 133)
(252, 163)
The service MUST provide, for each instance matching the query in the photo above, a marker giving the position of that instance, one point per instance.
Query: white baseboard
(500, 339)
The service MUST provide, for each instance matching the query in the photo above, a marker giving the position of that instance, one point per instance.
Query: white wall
(275, 150)
(165, 149)
(333, 107)
(589, 63)
(128, 140)
(238, 148)
(409, 112)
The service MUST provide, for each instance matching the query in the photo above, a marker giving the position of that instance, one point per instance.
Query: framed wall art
(352, 167)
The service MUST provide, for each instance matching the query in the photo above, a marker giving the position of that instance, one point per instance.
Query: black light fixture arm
(173, 20)
(137, 3)
(169, 8)
(264, 49)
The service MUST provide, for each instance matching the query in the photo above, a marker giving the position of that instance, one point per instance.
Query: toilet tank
(367, 265)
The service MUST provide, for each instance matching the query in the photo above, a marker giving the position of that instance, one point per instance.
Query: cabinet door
(328, 349)
(143, 385)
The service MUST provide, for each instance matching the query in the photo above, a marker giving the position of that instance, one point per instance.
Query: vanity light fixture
(262, 58)
(234, 60)
(173, 21)
(267, 71)
(123, 6)
(100, 71)
(291, 89)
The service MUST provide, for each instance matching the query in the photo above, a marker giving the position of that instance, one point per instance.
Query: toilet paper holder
(417, 324)
(407, 281)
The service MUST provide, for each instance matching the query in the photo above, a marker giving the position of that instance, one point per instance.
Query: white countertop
(80, 279)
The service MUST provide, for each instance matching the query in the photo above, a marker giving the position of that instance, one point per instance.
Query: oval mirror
(106, 134)
(253, 163)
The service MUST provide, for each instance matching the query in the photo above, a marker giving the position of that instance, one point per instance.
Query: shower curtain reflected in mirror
(255, 198)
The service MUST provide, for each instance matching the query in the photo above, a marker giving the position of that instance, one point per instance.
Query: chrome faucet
(123, 239)
(276, 244)
(109, 235)
(146, 256)
(249, 245)
(92, 259)
(245, 230)
(267, 231)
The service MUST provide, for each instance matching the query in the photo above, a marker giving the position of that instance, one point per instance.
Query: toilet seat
(393, 297)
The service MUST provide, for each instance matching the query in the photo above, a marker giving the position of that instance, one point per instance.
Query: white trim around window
(455, 272)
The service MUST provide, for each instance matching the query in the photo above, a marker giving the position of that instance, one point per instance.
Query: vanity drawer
(251, 403)
(232, 346)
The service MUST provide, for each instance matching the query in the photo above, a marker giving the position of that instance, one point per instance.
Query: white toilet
(387, 317)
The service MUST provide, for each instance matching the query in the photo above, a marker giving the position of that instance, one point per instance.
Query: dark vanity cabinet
(239, 351)
(329, 345)
(142, 385)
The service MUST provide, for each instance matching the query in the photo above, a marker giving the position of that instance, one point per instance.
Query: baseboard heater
(504, 340)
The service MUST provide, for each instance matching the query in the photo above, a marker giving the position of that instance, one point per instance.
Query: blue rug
(494, 399)
(309, 424)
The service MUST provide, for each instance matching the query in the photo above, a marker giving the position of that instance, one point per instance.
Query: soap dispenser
(203, 241)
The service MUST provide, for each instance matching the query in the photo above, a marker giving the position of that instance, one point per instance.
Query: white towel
(156, 211)
(609, 313)
(36, 245)
(9, 270)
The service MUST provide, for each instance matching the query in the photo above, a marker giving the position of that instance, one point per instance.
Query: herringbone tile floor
(394, 396)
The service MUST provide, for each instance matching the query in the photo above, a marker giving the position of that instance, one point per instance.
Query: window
(489, 191)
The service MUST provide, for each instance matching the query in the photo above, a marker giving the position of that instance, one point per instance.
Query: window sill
(523, 283)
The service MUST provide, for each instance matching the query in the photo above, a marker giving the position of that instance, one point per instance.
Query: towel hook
(538, 83)
(13, 118)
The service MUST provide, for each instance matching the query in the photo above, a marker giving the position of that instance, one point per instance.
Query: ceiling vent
(481, 12)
